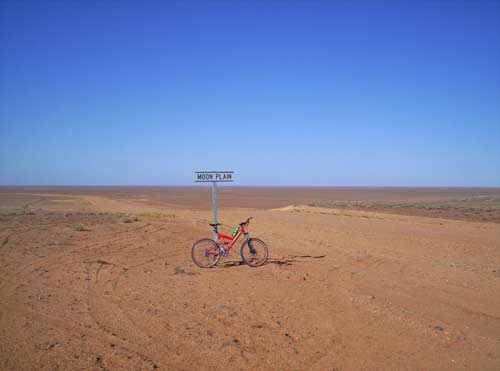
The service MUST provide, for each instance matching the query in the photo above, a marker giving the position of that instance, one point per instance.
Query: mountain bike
(206, 252)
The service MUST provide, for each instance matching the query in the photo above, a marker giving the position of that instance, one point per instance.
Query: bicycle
(206, 253)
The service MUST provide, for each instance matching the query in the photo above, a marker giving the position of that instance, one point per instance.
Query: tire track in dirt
(23, 230)
(362, 281)
(116, 320)
(62, 257)
(94, 301)
(79, 330)
(24, 277)
(6, 240)
(59, 259)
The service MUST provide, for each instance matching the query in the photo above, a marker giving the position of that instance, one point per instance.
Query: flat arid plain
(101, 278)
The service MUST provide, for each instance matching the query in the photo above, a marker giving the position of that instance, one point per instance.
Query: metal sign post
(214, 206)
(214, 177)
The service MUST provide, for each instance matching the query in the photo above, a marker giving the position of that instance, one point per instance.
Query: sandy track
(342, 291)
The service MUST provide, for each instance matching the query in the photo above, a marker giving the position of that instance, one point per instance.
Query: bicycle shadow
(285, 260)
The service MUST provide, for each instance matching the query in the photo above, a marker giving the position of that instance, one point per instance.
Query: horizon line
(206, 184)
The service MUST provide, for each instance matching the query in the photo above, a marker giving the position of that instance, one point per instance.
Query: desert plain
(101, 278)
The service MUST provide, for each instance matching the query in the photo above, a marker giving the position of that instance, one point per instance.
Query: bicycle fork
(250, 244)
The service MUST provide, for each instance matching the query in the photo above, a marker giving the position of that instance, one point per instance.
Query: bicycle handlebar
(246, 222)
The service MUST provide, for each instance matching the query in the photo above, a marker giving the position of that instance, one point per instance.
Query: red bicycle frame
(227, 241)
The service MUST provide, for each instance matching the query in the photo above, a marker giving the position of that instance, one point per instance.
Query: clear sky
(331, 93)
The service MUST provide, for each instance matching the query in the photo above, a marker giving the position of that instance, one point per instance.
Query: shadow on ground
(286, 260)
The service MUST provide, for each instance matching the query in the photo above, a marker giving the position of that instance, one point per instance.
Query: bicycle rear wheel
(254, 252)
(205, 253)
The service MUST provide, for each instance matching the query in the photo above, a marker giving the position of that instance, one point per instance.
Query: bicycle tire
(198, 252)
(250, 258)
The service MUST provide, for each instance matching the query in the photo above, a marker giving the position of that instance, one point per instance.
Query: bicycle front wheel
(254, 252)
(205, 253)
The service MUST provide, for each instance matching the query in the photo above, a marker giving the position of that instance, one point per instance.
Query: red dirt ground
(101, 279)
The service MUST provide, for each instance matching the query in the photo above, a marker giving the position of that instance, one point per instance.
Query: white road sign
(214, 176)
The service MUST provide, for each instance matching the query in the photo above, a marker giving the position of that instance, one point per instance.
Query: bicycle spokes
(254, 252)
(205, 253)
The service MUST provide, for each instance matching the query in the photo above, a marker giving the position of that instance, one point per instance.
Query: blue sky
(367, 93)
